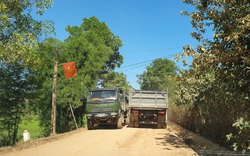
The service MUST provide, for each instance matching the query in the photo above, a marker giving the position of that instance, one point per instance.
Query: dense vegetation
(95, 50)
(211, 97)
(27, 64)
(158, 75)
(19, 38)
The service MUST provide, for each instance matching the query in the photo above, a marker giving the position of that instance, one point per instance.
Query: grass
(32, 125)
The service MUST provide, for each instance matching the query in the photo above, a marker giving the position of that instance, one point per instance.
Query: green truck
(106, 106)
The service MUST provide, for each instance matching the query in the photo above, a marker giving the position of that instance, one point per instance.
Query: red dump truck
(148, 107)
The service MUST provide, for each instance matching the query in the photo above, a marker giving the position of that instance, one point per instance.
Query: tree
(115, 79)
(224, 62)
(95, 50)
(95, 39)
(19, 37)
(17, 88)
(44, 76)
(20, 33)
(158, 76)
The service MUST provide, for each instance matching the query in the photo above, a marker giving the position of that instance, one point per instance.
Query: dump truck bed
(148, 100)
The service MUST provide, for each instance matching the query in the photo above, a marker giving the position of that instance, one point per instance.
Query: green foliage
(19, 37)
(32, 124)
(44, 78)
(241, 138)
(158, 76)
(17, 87)
(27, 61)
(115, 79)
(93, 40)
(95, 50)
(216, 88)
(20, 33)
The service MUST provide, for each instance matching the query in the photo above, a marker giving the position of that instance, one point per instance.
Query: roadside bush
(240, 139)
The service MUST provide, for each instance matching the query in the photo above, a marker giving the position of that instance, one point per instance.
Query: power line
(136, 64)
(160, 49)
(144, 63)
(135, 67)
(149, 50)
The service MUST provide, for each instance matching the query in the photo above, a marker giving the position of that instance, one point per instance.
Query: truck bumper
(102, 118)
(153, 117)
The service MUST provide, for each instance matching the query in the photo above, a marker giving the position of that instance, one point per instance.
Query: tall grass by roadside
(32, 125)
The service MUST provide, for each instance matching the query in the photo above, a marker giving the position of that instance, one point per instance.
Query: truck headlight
(113, 113)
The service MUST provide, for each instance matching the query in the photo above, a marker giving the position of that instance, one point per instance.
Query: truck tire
(127, 121)
(119, 123)
(161, 122)
(162, 126)
(130, 120)
(90, 125)
(136, 123)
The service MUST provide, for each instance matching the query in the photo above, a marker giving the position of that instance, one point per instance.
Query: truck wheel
(131, 121)
(164, 126)
(128, 121)
(136, 123)
(119, 123)
(161, 125)
(90, 125)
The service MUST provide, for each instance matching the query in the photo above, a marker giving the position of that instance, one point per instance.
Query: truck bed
(148, 100)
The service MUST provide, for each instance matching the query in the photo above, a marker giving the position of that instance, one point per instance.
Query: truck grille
(101, 109)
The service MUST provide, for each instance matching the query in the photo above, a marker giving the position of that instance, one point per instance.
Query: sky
(148, 29)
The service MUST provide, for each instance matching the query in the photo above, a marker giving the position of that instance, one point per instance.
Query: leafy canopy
(217, 83)
(95, 50)
(115, 79)
(158, 75)
(19, 32)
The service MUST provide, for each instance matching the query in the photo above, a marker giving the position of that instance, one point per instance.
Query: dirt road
(113, 142)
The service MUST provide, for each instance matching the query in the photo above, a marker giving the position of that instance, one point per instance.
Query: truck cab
(106, 106)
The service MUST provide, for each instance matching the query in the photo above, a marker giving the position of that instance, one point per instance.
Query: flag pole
(54, 94)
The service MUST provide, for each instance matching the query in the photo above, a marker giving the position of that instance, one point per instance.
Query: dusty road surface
(113, 142)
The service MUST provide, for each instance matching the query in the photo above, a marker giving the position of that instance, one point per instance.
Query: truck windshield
(101, 95)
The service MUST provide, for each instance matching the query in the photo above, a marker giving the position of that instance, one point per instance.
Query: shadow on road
(172, 139)
(146, 126)
(150, 126)
(181, 137)
(105, 127)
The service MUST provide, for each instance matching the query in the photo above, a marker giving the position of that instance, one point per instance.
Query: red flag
(69, 69)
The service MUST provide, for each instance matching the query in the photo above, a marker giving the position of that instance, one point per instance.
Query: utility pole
(54, 94)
